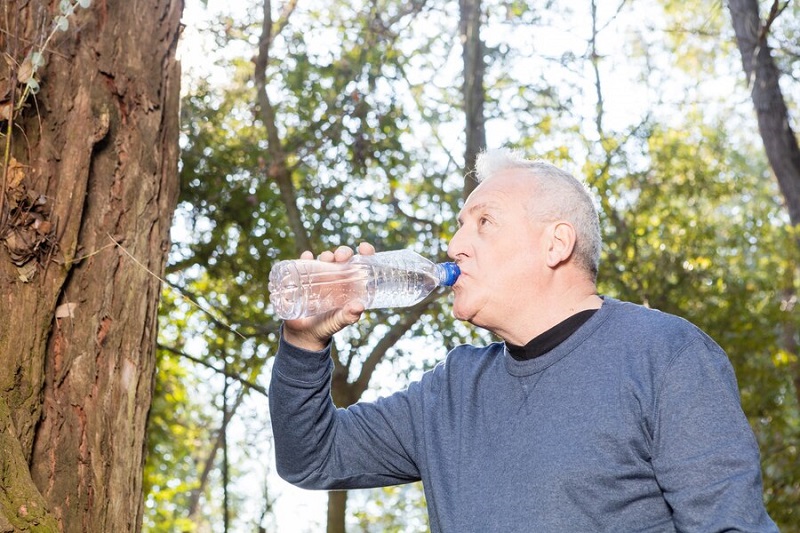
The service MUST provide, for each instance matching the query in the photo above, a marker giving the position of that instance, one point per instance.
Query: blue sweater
(632, 424)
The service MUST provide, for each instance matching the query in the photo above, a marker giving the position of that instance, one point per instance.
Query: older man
(592, 415)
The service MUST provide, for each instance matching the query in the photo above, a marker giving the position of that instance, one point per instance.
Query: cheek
(470, 299)
(512, 279)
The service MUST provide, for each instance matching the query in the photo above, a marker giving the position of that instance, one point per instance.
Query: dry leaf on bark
(66, 310)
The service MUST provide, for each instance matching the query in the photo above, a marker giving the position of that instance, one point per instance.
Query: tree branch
(279, 170)
(407, 320)
(247, 383)
(194, 498)
(286, 12)
(472, 90)
(774, 12)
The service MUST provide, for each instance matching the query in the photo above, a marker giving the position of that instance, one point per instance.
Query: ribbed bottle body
(399, 278)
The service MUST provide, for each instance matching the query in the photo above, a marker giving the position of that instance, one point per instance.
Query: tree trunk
(762, 73)
(89, 177)
(472, 90)
(780, 142)
(337, 511)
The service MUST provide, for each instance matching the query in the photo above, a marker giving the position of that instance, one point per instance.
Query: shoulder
(654, 345)
(646, 327)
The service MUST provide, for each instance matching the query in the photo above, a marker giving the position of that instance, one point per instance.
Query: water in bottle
(306, 287)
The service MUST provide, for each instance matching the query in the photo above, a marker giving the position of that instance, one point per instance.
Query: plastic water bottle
(306, 287)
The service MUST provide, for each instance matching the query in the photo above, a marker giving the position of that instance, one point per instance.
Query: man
(592, 415)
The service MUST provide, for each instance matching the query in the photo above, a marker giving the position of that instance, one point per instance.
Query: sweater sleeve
(318, 446)
(705, 455)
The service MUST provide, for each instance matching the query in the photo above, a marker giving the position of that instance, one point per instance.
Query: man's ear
(561, 243)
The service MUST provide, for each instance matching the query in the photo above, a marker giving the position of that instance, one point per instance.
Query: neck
(551, 308)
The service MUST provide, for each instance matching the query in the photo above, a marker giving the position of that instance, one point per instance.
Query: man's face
(498, 248)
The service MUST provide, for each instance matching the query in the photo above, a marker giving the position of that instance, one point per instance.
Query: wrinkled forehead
(519, 183)
(504, 190)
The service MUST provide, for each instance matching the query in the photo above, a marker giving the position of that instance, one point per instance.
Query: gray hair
(565, 198)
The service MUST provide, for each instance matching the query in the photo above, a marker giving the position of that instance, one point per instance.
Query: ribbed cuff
(301, 365)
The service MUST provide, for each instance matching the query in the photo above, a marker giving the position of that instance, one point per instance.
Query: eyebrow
(483, 206)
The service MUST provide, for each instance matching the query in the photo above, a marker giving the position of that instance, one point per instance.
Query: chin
(461, 314)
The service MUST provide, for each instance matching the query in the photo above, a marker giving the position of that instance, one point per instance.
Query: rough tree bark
(89, 177)
(780, 141)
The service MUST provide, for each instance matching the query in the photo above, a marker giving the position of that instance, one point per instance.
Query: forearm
(318, 446)
(301, 410)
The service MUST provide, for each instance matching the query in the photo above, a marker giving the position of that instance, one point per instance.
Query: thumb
(352, 312)
(313, 333)
(335, 321)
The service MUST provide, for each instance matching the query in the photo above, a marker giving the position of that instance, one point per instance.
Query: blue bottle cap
(451, 273)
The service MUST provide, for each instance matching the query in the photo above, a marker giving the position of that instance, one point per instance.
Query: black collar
(543, 343)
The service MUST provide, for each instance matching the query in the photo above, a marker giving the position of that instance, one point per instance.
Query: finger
(343, 253)
(366, 248)
(327, 255)
(307, 255)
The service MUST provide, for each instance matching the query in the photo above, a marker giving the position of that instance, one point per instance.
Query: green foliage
(170, 469)
(693, 30)
(700, 232)
(397, 509)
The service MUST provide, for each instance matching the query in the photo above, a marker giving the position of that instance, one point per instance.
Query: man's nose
(455, 249)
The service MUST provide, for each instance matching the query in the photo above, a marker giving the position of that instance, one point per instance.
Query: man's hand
(315, 332)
